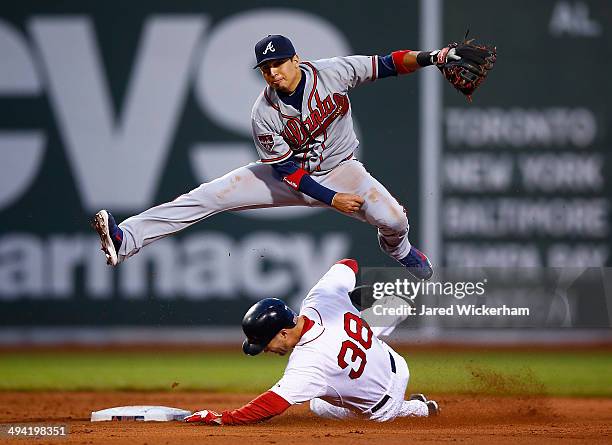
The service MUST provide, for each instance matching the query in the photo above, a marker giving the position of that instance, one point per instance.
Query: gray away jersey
(322, 135)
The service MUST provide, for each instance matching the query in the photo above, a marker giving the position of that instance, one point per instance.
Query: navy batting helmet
(263, 321)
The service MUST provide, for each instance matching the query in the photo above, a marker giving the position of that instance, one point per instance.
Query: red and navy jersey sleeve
(386, 67)
(392, 64)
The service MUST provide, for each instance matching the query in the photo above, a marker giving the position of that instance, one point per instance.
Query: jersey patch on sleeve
(266, 141)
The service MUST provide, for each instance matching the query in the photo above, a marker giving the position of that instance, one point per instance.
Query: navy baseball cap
(273, 47)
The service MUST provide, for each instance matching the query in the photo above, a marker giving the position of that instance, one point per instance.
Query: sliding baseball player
(337, 363)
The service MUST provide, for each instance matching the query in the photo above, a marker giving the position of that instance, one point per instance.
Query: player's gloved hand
(347, 202)
(205, 416)
(441, 57)
(465, 65)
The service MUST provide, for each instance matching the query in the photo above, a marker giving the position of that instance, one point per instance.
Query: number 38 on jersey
(353, 352)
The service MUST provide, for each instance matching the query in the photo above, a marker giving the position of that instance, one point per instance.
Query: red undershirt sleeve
(267, 405)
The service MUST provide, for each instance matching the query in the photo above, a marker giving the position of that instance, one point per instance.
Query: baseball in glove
(465, 65)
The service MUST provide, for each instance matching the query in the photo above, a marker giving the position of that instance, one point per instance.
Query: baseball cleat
(432, 406)
(417, 264)
(105, 225)
(419, 397)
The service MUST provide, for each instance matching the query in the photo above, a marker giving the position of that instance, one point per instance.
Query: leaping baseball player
(303, 131)
(337, 361)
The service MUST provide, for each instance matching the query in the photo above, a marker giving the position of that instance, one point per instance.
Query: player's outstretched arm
(405, 62)
(267, 405)
(408, 61)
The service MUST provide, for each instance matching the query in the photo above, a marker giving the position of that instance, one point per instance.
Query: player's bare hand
(347, 202)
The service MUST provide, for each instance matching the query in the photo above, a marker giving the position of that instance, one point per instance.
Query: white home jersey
(339, 360)
(321, 135)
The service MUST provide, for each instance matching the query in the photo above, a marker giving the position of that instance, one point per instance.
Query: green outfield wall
(127, 105)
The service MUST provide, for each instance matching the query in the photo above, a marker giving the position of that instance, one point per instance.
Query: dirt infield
(467, 419)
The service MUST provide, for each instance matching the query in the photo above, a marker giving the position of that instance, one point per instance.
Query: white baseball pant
(395, 407)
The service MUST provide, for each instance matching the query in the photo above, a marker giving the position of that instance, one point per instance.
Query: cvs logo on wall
(177, 55)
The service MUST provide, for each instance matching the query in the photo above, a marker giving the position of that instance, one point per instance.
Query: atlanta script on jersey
(322, 134)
